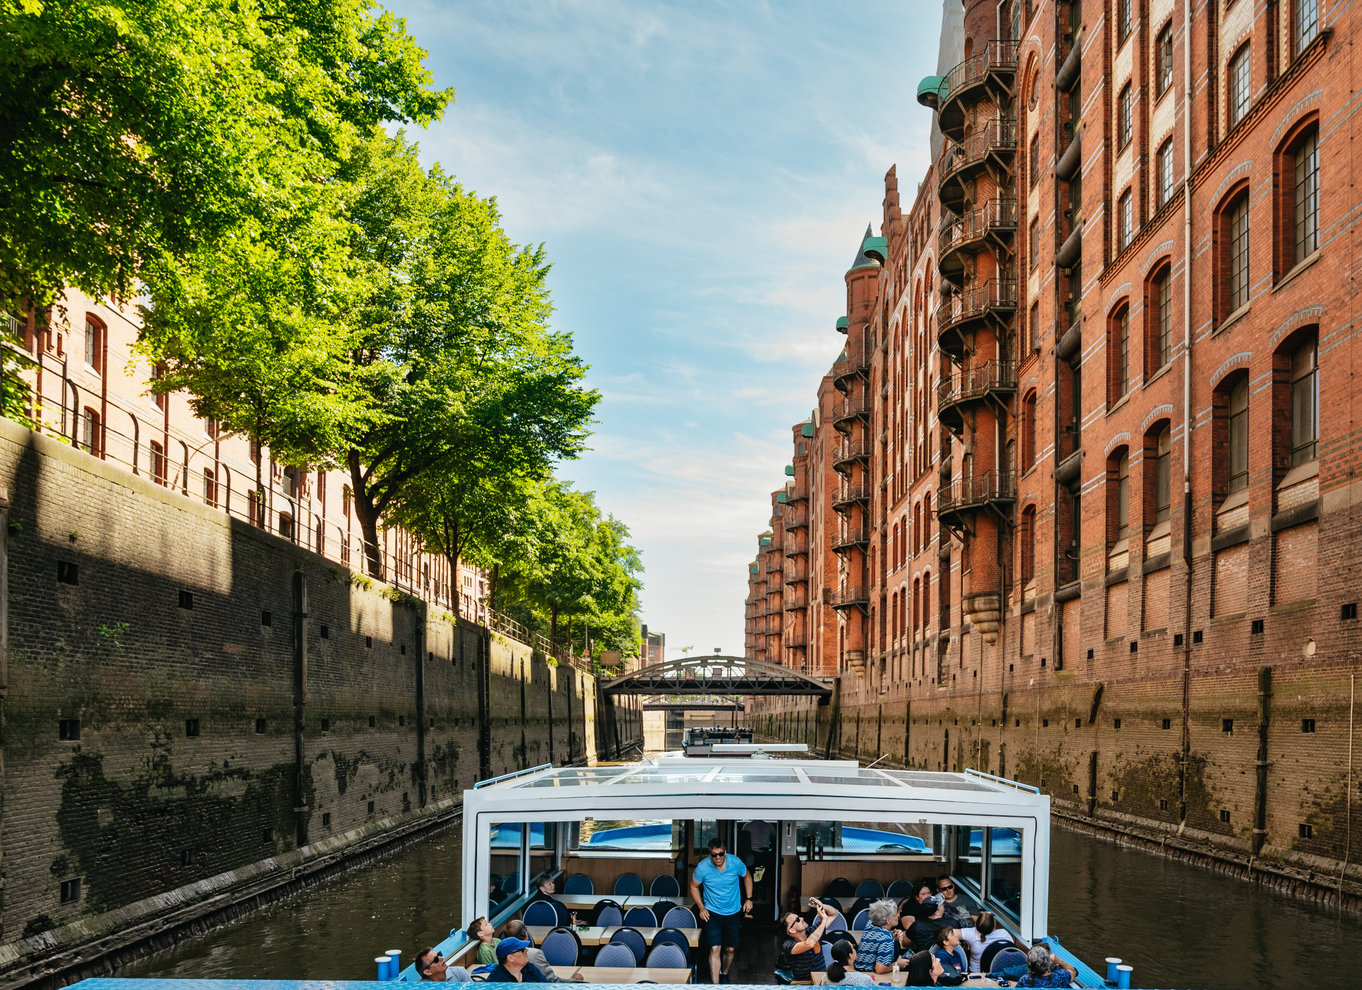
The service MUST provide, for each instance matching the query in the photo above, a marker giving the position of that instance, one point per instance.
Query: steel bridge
(716, 675)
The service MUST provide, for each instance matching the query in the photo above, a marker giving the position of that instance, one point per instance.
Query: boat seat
(664, 885)
(562, 947)
(870, 888)
(633, 938)
(640, 917)
(628, 885)
(862, 920)
(617, 954)
(540, 913)
(579, 883)
(1010, 962)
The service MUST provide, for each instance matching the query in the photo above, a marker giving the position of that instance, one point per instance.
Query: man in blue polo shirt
(721, 907)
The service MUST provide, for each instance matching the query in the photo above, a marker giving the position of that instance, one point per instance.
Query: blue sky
(700, 174)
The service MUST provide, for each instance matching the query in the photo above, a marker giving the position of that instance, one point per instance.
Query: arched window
(1238, 86)
(94, 344)
(1231, 286)
(1027, 546)
(1028, 432)
(1118, 354)
(1297, 194)
(1158, 474)
(1158, 319)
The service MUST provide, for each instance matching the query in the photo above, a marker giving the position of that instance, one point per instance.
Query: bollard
(1123, 976)
(1112, 963)
(395, 970)
(384, 964)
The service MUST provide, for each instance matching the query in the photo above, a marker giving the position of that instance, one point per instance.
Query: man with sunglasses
(956, 911)
(431, 966)
(721, 908)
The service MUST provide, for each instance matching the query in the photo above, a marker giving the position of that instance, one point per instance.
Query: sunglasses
(718, 855)
(947, 886)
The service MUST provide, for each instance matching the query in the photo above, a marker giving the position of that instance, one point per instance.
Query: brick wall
(149, 709)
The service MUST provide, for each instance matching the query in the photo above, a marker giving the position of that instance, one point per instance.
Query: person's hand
(704, 915)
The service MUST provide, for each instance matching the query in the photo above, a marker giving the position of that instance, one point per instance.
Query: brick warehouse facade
(1112, 544)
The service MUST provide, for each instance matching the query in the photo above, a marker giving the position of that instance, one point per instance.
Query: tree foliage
(140, 130)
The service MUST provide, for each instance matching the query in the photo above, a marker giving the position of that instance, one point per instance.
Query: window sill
(1113, 406)
(1233, 500)
(1307, 262)
(1234, 317)
(1304, 472)
(1164, 369)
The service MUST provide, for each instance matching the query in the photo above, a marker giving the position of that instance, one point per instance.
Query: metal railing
(998, 136)
(851, 595)
(998, 56)
(975, 383)
(978, 490)
(976, 301)
(997, 214)
(851, 408)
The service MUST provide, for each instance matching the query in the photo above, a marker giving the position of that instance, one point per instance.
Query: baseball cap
(508, 945)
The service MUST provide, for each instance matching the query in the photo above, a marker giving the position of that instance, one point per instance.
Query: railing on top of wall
(188, 464)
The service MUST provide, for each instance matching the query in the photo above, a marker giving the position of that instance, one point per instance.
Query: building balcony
(848, 411)
(990, 75)
(995, 381)
(851, 538)
(850, 452)
(774, 563)
(797, 494)
(989, 149)
(855, 363)
(796, 517)
(852, 493)
(796, 547)
(965, 312)
(990, 227)
(990, 491)
(796, 571)
(851, 597)
(796, 599)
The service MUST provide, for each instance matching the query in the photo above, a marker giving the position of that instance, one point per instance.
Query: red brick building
(1091, 527)
(90, 386)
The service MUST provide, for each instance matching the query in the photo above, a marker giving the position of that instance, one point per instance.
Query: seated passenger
(947, 938)
(957, 911)
(515, 928)
(930, 916)
(513, 963)
(1045, 969)
(841, 971)
(878, 950)
(483, 932)
(802, 943)
(545, 891)
(923, 969)
(986, 932)
(431, 966)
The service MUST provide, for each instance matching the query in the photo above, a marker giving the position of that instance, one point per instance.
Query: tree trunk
(367, 514)
(455, 598)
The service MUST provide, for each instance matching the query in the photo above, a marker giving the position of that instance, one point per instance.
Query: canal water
(1179, 926)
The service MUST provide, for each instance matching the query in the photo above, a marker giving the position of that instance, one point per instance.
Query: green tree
(141, 130)
(482, 390)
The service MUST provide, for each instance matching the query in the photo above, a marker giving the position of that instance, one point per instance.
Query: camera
(937, 899)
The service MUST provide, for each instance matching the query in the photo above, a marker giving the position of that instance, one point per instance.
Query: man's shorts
(723, 930)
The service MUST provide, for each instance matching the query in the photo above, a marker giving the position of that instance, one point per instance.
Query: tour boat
(634, 832)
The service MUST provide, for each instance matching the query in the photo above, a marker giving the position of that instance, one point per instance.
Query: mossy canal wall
(196, 713)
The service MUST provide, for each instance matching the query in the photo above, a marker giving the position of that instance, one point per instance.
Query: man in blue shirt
(721, 907)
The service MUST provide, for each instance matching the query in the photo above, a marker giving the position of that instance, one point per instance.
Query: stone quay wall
(194, 709)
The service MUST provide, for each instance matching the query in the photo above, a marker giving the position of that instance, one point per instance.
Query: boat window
(574, 777)
(506, 882)
(969, 858)
(637, 835)
(855, 838)
(735, 776)
(1004, 870)
(543, 855)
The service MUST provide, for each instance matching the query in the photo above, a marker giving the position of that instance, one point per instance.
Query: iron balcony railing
(998, 137)
(851, 493)
(998, 215)
(796, 518)
(977, 491)
(849, 596)
(851, 536)
(851, 451)
(975, 383)
(976, 301)
(853, 407)
(997, 56)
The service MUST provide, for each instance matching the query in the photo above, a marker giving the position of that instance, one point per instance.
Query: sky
(700, 173)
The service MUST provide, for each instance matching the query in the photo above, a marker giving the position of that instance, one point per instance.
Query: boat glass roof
(673, 773)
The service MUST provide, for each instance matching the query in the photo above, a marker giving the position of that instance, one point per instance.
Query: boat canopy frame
(775, 790)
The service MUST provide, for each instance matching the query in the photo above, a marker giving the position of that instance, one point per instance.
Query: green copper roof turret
(931, 91)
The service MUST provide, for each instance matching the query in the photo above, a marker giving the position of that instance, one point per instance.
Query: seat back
(862, 920)
(610, 916)
(600, 908)
(870, 887)
(679, 917)
(664, 885)
(841, 887)
(830, 938)
(990, 953)
(1009, 961)
(628, 885)
(860, 904)
(838, 923)
(900, 889)
(616, 954)
(540, 913)
(561, 947)
(633, 938)
(579, 883)
(673, 936)
(668, 955)
(640, 917)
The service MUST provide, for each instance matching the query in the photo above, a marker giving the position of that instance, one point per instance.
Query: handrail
(997, 55)
(998, 211)
(996, 135)
(1003, 780)
(512, 775)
